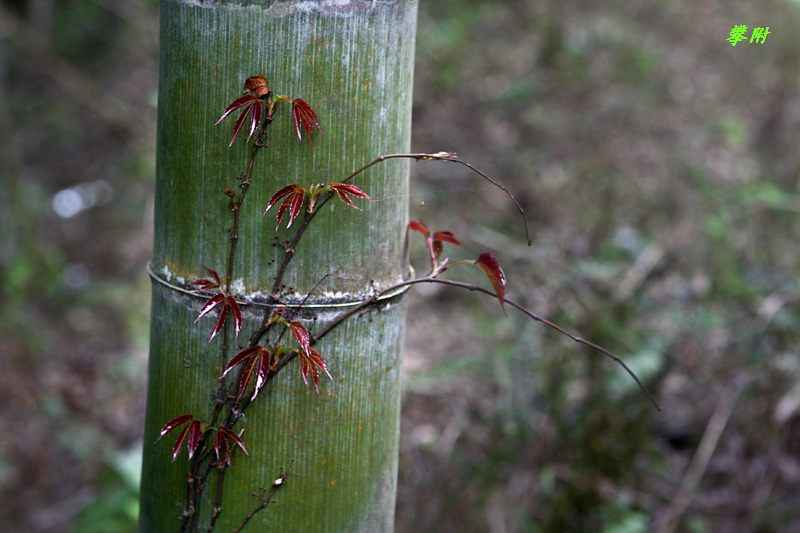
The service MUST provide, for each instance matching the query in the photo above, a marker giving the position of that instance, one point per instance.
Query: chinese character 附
(759, 34)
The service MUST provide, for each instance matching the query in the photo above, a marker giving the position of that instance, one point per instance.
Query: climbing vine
(214, 440)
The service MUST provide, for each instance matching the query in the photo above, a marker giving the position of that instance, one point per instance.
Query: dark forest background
(660, 170)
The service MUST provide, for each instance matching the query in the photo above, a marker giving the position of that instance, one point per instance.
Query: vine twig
(453, 158)
(431, 279)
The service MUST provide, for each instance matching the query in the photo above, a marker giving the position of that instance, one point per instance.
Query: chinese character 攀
(737, 34)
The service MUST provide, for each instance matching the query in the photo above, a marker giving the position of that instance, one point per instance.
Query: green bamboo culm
(352, 61)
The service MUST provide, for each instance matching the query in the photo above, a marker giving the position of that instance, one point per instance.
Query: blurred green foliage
(657, 165)
(116, 508)
(76, 169)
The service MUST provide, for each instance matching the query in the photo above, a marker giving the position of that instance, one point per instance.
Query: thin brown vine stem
(218, 502)
(196, 484)
(237, 204)
(447, 156)
(189, 517)
(263, 505)
(291, 248)
(430, 279)
(288, 255)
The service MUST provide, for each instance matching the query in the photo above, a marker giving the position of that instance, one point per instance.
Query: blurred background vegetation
(659, 169)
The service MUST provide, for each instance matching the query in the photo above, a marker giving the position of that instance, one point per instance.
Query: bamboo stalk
(353, 62)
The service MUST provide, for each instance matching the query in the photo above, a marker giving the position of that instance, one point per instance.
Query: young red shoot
(486, 262)
(257, 85)
(342, 190)
(304, 116)
(221, 444)
(252, 109)
(310, 359)
(207, 284)
(491, 267)
(292, 196)
(310, 363)
(228, 303)
(434, 242)
(191, 434)
(258, 361)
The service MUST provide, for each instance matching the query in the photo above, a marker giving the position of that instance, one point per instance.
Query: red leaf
(491, 267)
(214, 274)
(238, 358)
(172, 424)
(437, 248)
(283, 191)
(419, 225)
(255, 120)
(252, 108)
(342, 190)
(235, 438)
(440, 236)
(176, 449)
(304, 116)
(310, 363)
(446, 236)
(194, 433)
(207, 284)
(258, 363)
(257, 367)
(195, 436)
(293, 196)
(262, 372)
(228, 302)
(254, 111)
(236, 104)
(301, 334)
(223, 314)
(294, 210)
(221, 443)
(250, 369)
(210, 305)
(236, 312)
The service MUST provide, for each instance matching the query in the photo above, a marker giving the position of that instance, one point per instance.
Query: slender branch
(291, 248)
(447, 156)
(264, 501)
(561, 330)
(218, 501)
(237, 203)
(430, 279)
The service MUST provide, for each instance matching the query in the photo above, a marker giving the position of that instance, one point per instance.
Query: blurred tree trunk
(352, 61)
